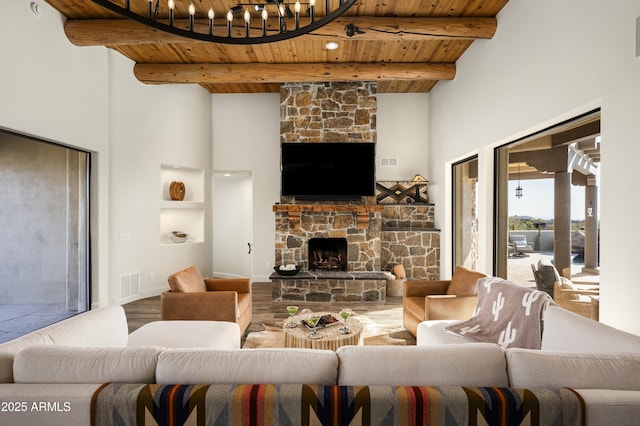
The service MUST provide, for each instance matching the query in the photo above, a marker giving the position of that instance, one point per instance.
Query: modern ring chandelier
(277, 20)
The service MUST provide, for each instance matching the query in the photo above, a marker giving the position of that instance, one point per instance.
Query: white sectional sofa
(53, 380)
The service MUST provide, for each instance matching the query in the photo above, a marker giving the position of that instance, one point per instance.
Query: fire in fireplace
(328, 254)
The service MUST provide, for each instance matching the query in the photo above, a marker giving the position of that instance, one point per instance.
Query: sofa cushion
(276, 365)
(187, 334)
(432, 333)
(464, 282)
(188, 280)
(72, 364)
(566, 331)
(579, 370)
(481, 364)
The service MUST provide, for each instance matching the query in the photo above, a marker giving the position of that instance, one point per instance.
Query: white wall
(150, 126)
(403, 133)
(246, 136)
(550, 60)
(88, 98)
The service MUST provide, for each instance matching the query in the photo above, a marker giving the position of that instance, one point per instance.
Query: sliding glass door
(44, 249)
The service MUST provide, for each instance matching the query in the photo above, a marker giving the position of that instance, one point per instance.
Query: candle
(171, 6)
(149, 9)
(247, 19)
(265, 15)
(192, 13)
(312, 10)
(296, 7)
(229, 20)
(211, 15)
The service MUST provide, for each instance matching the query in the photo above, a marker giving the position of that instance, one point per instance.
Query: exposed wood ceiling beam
(114, 32)
(301, 73)
(578, 134)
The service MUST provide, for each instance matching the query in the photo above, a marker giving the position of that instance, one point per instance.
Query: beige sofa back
(481, 364)
(72, 364)
(277, 365)
(104, 327)
(580, 370)
(566, 331)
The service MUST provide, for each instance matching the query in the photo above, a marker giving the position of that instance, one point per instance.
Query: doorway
(547, 202)
(233, 223)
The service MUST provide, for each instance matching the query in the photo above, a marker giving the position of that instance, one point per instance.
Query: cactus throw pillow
(507, 314)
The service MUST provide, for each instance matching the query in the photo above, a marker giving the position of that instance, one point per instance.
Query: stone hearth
(330, 286)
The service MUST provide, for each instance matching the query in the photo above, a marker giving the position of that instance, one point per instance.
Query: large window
(547, 201)
(44, 250)
(465, 229)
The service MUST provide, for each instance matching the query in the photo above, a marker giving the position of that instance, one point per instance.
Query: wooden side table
(330, 337)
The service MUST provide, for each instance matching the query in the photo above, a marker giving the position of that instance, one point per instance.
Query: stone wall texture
(328, 112)
(408, 238)
(363, 243)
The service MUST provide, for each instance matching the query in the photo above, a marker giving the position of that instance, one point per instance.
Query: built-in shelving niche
(186, 215)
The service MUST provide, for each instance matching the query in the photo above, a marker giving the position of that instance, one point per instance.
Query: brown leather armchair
(453, 299)
(192, 297)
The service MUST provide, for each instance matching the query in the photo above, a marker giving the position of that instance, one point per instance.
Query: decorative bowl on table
(179, 237)
(287, 270)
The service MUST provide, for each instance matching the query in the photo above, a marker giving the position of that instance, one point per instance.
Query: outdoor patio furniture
(520, 245)
(545, 275)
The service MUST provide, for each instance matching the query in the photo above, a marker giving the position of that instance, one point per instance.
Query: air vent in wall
(129, 284)
(388, 161)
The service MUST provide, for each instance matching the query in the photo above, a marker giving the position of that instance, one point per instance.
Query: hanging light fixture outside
(277, 10)
(518, 188)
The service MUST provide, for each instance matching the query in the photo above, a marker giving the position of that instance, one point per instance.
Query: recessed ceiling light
(332, 45)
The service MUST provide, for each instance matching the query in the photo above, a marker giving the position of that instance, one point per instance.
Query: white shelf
(186, 215)
(181, 204)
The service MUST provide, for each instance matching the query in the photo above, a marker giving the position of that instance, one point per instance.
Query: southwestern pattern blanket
(268, 404)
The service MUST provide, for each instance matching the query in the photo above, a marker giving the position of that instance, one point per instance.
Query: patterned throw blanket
(139, 404)
(507, 314)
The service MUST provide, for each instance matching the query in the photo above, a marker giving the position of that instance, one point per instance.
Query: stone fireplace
(327, 254)
(341, 247)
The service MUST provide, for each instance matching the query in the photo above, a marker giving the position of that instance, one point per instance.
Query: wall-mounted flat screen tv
(328, 170)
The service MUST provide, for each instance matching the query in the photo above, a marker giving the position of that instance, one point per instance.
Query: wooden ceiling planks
(381, 44)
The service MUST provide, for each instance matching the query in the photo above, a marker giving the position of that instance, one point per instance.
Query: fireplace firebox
(327, 254)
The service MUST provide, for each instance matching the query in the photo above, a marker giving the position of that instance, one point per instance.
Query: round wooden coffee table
(331, 337)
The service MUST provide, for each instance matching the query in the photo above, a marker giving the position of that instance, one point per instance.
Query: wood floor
(265, 311)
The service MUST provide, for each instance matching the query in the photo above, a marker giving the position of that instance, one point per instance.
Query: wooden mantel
(294, 211)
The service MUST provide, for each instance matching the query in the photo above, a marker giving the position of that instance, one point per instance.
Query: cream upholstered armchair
(192, 297)
(453, 299)
(582, 301)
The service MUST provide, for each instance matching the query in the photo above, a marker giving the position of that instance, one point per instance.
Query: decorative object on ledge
(179, 236)
(287, 270)
(276, 20)
(177, 191)
(405, 192)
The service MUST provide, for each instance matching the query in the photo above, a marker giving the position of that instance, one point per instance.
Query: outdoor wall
(33, 217)
(549, 61)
